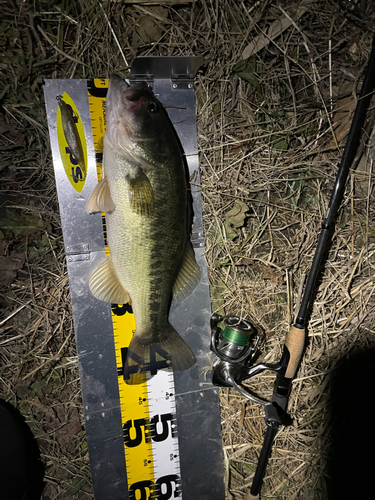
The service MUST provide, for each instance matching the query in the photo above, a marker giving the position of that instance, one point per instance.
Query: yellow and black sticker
(69, 123)
(148, 410)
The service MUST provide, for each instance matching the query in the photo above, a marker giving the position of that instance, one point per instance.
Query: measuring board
(161, 439)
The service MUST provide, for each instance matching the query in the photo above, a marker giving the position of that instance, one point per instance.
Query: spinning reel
(236, 346)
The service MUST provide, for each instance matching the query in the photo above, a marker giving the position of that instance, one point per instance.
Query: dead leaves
(342, 117)
(235, 219)
(274, 31)
(149, 29)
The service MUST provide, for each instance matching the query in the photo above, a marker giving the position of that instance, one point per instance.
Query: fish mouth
(124, 106)
(130, 92)
(136, 91)
(116, 83)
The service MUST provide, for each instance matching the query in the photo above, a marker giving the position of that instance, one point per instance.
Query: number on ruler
(140, 435)
(168, 487)
(145, 488)
(138, 365)
(165, 488)
(141, 429)
(121, 309)
(164, 419)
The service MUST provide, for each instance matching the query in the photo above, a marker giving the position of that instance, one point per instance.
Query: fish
(144, 194)
(71, 135)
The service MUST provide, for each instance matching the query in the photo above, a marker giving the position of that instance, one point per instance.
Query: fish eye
(152, 107)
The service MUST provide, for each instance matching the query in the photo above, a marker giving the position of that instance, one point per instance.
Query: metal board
(196, 400)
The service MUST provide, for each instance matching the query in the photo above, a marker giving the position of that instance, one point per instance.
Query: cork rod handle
(295, 342)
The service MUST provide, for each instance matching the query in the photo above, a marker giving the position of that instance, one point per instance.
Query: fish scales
(144, 195)
(155, 243)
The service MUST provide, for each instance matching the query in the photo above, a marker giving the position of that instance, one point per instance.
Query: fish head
(133, 115)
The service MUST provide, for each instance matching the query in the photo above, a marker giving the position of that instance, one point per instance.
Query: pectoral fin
(189, 275)
(105, 285)
(100, 200)
(141, 194)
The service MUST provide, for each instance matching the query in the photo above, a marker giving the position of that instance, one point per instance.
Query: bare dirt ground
(275, 99)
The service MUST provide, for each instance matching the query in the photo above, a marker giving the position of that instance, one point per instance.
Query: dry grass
(266, 135)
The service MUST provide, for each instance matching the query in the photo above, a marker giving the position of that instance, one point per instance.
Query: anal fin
(105, 285)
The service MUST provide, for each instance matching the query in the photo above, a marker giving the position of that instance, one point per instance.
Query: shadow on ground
(21, 470)
(351, 459)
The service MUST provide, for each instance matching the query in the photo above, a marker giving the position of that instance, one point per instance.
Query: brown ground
(271, 129)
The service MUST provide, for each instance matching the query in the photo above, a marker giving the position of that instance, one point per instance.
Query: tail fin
(144, 360)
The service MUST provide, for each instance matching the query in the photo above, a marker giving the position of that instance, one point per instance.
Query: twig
(114, 35)
(46, 37)
(14, 313)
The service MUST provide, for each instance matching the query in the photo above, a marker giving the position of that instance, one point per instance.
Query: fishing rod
(235, 342)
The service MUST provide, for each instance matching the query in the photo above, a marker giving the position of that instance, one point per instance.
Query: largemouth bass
(144, 194)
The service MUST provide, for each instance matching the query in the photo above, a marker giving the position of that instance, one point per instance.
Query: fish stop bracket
(158, 440)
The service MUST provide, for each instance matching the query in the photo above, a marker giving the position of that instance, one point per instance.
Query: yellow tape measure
(148, 410)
